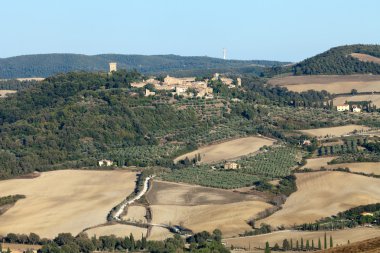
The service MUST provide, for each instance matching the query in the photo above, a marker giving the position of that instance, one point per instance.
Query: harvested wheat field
(201, 208)
(317, 163)
(340, 237)
(229, 218)
(64, 201)
(367, 167)
(3, 93)
(322, 194)
(228, 150)
(168, 193)
(375, 98)
(159, 234)
(366, 57)
(136, 213)
(336, 84)
(119, 230)
(334, 131)
(366, 246)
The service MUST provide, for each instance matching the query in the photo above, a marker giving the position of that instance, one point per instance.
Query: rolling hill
(343, 60)
(44, 65)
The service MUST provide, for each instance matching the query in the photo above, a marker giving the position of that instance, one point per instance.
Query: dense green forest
(338, 61)
(44, 65)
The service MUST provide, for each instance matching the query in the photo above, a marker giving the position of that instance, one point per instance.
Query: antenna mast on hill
(224, 53)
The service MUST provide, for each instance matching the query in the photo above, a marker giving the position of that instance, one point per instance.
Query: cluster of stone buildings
(186, 86)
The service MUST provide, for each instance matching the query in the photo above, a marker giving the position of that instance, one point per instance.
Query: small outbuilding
(105, 162)
(231, 166)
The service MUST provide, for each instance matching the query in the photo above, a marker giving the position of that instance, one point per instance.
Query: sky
(284, 30)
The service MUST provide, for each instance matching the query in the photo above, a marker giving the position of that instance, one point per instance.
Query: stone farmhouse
(342, 108)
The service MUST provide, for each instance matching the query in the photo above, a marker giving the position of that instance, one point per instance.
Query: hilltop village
(186, 86)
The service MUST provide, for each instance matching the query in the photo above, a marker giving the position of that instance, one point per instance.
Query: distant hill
(44, 65)
(343, 60)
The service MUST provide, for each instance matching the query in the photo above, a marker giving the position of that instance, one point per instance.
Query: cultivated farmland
(64, 201)
(231, 219)
(322, 194)
(119, 230)
(334, 131)
(228, 150)
(375, 98)
(136, 214)
(3, 93)
(206, 176)
(366, 57)
(317, 163)
(168, 193)
(365, 167)
(339, 236)
(200, 208)
(336, 84)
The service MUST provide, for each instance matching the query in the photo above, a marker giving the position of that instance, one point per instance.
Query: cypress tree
(307, 245)
(143, 242)
(325, 241)
(132, 240)
(331, 242)
(319, 244)
(291, 244)
(267, 249)
(312, 244)
(301, 243)
(297, 245)
(285, 244)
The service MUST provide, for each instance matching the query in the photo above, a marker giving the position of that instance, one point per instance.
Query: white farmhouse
(342, 108)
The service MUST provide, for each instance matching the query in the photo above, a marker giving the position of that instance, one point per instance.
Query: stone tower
(113, 66)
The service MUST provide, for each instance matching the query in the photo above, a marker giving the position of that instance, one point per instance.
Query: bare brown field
(317, 163)
(366, 57)
(168, 193)
(229, 218)
(201, 208)
(19, 248)
(322, 194)
(64, 201)
(119, 230)
(336, 84)
(367, 167)
(375, 98)
(334, 131)
(136, 213)
(228, 150)
(3, 93)
(340, 237)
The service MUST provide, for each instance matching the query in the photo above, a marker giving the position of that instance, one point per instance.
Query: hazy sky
(287, 30)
